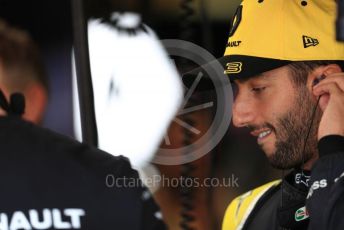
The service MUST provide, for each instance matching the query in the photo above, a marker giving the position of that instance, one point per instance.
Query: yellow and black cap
(267, 34)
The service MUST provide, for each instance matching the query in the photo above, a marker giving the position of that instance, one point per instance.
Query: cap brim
(233, 67)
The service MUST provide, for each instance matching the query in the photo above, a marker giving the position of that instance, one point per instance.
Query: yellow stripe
(240, 208)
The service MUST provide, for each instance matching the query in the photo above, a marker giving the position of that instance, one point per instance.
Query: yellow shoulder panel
(241, 207)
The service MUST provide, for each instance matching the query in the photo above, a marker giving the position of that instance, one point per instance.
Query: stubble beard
(291, 131)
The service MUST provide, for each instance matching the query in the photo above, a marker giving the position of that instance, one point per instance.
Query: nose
(243, 112)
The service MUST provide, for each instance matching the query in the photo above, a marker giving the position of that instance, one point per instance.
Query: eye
(258, 89)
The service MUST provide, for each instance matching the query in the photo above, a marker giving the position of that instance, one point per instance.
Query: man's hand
(331, 103)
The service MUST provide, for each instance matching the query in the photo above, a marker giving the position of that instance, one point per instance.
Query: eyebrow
(261, 75)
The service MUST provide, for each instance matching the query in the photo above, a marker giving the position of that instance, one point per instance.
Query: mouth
(261, 134)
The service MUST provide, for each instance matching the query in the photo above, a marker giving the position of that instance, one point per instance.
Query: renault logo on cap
(236, 21)
(233, 67)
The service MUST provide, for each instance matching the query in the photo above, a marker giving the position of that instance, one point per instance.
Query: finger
(337, 78)
(336, 74)
(331, 88)
(323, 101)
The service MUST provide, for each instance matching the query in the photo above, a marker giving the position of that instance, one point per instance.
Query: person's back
(51, 182)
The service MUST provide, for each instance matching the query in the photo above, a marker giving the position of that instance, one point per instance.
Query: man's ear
(36, 98)
(331, 69)
(322, 72)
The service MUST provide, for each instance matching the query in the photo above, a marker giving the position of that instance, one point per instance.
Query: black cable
(82, 66)
(186, 193)
(308, 133)
(304, 145)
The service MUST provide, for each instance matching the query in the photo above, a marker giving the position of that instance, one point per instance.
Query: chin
(279, 162)
(269, 149)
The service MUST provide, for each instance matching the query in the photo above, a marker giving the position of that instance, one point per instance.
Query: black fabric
(265, 209)
(324, 199)
(331, 144)
(294, 191)
(276, 208)
(44, 172)
(334, 213)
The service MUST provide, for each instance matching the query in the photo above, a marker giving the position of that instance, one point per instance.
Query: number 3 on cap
(233, 67)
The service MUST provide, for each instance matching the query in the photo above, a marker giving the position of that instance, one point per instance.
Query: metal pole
(84, 81)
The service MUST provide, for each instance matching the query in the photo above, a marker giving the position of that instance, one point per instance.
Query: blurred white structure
(137, 89)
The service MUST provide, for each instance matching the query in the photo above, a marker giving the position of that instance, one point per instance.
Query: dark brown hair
(301, 69)
(20, 58)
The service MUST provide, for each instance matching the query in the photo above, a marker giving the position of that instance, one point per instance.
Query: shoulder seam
(249, 210)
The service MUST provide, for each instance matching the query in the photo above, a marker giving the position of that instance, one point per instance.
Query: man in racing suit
(287, 67)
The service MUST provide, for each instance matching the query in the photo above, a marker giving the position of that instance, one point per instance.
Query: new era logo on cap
(308, 41)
